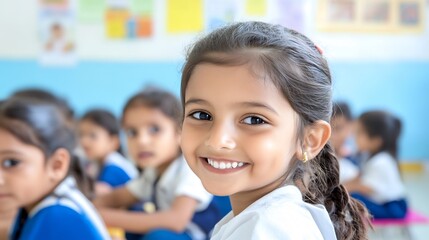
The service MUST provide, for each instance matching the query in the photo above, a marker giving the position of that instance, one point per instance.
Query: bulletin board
(395, 16)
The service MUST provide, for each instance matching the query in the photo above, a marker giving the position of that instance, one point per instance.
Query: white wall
(19, 38)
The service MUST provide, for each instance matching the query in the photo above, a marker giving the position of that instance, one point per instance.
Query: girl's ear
(58, 165)
(315, 138)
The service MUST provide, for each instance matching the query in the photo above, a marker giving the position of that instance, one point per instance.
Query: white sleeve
(381, 175)
(137, 187)
(292, 224)
(190, 185)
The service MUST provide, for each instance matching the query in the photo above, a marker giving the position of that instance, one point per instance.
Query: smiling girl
(257, 103)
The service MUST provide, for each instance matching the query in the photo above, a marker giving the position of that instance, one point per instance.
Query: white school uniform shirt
(348, 170)
(381, 174)
(177, 180)
(281, 214)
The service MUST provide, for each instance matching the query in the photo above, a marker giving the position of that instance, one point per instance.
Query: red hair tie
(319, 49)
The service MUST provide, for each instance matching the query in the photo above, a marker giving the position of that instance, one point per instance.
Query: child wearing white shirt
(380, 186)
(257, 102)
(173, 202)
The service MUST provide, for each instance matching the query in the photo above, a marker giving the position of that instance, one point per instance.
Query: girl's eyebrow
(257, 105)
(196, 101)
(4, 152)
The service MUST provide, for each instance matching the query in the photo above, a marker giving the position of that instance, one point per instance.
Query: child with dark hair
(37, 173)
(341, 124)
(257, 105)
(380, 186)
(175, 204)
(99, 137)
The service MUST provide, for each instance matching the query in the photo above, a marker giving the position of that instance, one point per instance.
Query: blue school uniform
(117, 170)
(64, 214)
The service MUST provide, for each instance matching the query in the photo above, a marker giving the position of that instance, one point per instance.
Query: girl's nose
(221, 136)
(144, 138)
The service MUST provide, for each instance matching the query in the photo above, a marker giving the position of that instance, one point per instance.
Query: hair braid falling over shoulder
(350, 217)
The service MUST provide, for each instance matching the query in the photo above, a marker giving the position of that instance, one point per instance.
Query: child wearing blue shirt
(99, 138)
(36, 144)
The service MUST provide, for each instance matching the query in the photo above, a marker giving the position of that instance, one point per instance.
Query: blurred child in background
(36, 157)
(7, 213)
(380, 186)
(99, 138)
(86, 185)
(341, 123)
(171, 192)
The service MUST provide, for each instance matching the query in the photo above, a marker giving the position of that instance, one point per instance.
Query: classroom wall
(389, 71)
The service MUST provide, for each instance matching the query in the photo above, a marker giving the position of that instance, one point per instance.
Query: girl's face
(153, 139)
(239, 132)
(23, 173)
(96, 141)
(363, 141)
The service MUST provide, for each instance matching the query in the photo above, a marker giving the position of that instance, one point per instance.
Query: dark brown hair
(384, 125)
(156, 98)
(301, 73)
(105, 120)
(342, 109)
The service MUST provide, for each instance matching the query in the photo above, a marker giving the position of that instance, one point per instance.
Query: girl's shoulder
(381, 160)
(281, 213)
(62, 221)
(68, 213)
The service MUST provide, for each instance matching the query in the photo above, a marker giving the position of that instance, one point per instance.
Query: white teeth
(224, 165)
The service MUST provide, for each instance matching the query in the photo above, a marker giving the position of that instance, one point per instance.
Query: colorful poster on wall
(129, 19)
(291, 14)
(400, 16)
(256, 7)
(57, 32)
(91, 11)
(220, 12)
(184, 16)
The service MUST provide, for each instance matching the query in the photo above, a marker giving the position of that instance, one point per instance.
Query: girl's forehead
(140, 115)
(240, 82)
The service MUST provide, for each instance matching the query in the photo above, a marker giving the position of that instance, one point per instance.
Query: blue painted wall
(400, 87)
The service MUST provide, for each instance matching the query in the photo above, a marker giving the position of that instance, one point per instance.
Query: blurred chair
(413, 217)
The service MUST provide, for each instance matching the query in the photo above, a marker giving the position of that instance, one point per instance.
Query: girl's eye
(202, 116)
(8, 163)
(154, 129)
(130, 132)
(253, 120)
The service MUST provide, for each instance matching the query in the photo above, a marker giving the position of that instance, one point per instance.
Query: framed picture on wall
(396, 16)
